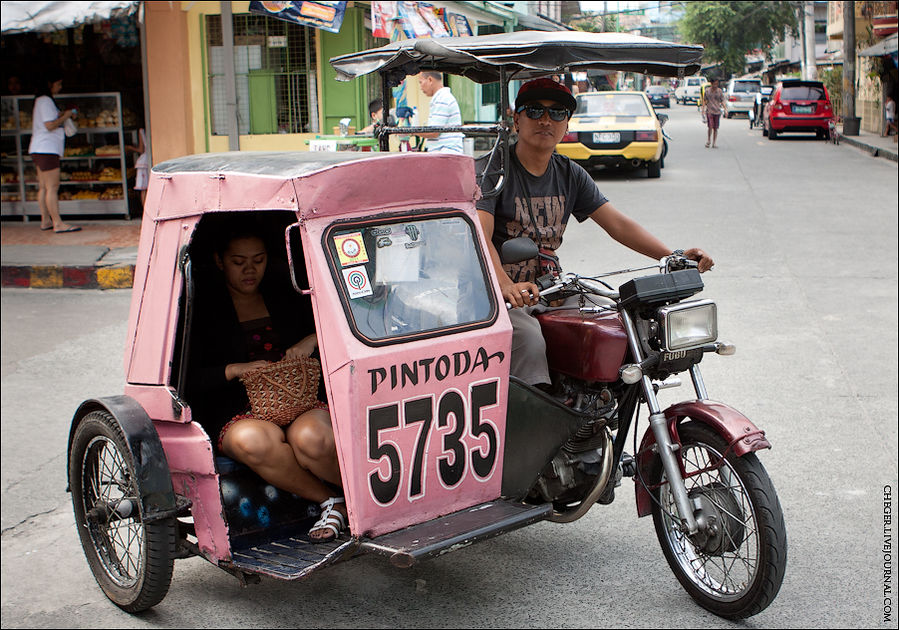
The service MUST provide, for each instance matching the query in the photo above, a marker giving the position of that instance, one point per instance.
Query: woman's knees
(251, 442)
(311, 436)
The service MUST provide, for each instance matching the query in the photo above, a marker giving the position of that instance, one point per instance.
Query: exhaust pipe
(636, 163)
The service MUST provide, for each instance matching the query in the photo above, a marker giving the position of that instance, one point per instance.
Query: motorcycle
(715, 511)
(438, 446)
(762, 97)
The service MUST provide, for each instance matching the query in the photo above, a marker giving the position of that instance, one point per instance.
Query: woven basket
(282, 391)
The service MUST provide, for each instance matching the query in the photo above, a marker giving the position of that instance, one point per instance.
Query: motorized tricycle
(438, 446)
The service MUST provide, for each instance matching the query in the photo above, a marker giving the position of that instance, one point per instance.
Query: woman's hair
(50, 77)
(234, 230)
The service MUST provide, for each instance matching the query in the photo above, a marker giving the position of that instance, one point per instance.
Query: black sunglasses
(536, 111)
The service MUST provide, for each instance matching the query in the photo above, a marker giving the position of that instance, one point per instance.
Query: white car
(740, 95)
(689, 90)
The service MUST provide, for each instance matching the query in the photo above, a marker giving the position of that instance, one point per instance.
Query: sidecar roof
(306, 182)
(523, 54)
(283, 165)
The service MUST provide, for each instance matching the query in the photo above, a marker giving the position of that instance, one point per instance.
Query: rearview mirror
(517, 250)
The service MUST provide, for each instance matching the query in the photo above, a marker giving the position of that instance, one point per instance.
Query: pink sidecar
(415, 356)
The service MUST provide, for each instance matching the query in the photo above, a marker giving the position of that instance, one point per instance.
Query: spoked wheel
(131, 560)
(734, 567)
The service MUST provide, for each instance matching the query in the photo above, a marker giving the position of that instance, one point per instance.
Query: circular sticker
(350, 248)
(356, 280)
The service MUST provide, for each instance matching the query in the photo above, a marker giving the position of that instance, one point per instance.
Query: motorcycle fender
(740, 432)
(153, 478)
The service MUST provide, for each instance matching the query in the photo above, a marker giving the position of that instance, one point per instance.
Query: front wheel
(131, 560)
(735, 565)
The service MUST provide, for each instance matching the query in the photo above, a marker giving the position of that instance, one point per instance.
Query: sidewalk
(877, 146)
(101, 256)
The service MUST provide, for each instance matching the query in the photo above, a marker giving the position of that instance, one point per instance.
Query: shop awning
(24, 17)
(886, 46)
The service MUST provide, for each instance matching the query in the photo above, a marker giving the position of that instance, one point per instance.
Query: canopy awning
(522, 55)
(886, 46)
(24, 17)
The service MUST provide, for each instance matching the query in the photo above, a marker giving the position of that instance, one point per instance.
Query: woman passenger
(246, 326)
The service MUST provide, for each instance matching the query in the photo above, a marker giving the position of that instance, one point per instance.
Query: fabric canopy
(523, 54)
(23, 17)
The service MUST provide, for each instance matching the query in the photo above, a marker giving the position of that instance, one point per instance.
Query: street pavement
(804, 235)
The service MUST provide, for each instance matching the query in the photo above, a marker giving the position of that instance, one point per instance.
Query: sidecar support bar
(455, 531)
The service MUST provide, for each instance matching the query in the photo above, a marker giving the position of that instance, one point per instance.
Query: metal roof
(283, 165)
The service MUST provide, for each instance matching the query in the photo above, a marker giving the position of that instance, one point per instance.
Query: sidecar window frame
(334, 266)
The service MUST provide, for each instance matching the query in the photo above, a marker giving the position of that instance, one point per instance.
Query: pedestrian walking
(713, 106)
(444, 113)
(889, 110)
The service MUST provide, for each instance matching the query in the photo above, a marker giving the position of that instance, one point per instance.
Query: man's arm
(634, 236)
(515, 293)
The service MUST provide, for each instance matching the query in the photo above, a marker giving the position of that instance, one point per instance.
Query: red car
(798, 106)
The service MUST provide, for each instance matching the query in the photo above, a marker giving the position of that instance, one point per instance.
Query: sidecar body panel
(419, 420)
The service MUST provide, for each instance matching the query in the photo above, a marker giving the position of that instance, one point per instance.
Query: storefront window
(411, 278)
(274, 66)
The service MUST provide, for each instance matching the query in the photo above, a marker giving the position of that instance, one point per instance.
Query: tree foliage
(729, 30)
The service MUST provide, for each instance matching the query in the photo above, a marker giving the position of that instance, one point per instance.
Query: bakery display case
(94, 170)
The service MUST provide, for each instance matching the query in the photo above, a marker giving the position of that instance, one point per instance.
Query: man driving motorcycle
(542, 190)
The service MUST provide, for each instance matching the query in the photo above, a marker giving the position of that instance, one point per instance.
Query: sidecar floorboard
(455, 531)
(291, 558)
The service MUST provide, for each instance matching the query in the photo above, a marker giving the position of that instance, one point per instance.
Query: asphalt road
(804, 235)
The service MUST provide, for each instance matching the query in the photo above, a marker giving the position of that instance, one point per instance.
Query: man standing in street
(542, 190)
(444, 113)
(714, 105)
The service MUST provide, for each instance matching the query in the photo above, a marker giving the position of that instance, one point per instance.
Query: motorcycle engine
(573, 471)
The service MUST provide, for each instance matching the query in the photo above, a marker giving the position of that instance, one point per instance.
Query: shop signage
(322, 14)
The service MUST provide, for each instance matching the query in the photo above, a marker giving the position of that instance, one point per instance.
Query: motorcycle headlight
(688, 324)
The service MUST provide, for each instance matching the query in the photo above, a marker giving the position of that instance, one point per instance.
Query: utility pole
(811, 60)
(850, 122)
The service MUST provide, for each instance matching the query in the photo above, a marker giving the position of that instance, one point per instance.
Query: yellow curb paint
(46, 277)
(115, 277)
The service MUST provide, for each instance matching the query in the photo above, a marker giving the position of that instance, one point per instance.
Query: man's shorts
(712, 120)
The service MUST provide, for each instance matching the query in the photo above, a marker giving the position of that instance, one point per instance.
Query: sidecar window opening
(410, 276)
(202, 286)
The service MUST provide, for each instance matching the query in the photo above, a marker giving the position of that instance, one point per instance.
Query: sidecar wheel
(737, 570)
(131, 560)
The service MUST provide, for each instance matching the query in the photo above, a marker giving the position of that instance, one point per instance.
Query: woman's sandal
(331, 520)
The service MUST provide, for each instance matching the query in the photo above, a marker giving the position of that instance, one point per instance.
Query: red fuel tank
(588, 346)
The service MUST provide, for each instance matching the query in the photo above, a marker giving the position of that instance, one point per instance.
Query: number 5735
(456, 456)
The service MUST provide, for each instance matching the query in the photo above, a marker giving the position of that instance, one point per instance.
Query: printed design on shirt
(549, 213)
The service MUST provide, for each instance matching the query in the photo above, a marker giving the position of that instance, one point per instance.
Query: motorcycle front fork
(667, 449)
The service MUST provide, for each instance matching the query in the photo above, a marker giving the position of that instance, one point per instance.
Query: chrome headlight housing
(688, 324)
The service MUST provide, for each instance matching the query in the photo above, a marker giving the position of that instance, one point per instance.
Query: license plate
(606, 137)
(803, 109)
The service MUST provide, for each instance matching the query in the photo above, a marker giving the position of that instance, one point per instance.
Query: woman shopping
(47, 145)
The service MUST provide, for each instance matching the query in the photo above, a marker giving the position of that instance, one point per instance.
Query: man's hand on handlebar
(704, 261)
(520, 294)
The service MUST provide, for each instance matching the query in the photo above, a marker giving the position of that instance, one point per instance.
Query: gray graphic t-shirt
(565, 189)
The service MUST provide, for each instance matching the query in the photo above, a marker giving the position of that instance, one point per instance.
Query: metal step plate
(454, 531)
(292, 558)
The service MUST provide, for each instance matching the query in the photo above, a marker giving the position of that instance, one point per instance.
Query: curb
(874, 151)
(67, 277)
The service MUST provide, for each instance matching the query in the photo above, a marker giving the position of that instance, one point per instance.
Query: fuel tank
(587, 346)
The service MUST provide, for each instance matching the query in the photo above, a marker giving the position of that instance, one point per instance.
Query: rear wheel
(734, 567)
(772, 133)
(131, 560)
(654, 169)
